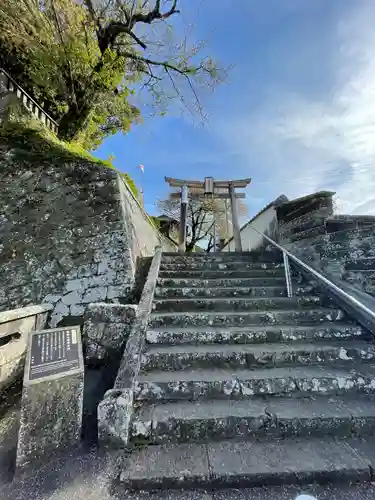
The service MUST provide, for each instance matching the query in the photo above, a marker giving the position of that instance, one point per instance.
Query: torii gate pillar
(235, 224)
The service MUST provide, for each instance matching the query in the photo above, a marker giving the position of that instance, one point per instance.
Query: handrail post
(288, 278)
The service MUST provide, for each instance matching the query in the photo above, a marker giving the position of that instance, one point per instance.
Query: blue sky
(297, 113)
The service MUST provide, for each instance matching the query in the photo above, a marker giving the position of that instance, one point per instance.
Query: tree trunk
(74, 121)
(190, 246)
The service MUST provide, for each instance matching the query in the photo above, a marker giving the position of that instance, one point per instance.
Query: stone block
(114, 416)
(106, 329)
(170, 466)
(52, 396)
(95, 294)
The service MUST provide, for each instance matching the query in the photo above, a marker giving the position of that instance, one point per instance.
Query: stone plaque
(52, 395)
(54, 352)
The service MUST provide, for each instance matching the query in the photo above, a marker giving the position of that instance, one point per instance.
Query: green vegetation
(86, 61)
(40, 143)
(155, 221)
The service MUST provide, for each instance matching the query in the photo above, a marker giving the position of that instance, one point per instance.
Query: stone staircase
(241, 385)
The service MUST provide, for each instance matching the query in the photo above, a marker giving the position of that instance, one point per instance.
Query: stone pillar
(183, 219)
(105, 331)
(236, 227)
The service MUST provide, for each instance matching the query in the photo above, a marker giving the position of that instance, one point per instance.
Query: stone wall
(342, 246)
(70, 230)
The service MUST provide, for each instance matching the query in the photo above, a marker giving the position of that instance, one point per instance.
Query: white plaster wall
(251, 240)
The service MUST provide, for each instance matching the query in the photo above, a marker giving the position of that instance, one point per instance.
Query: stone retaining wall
(342, 246)
(70, 232)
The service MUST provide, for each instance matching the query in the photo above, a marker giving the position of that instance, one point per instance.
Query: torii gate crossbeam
(202, 189)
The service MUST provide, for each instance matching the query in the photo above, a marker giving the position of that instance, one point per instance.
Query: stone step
(316, 214)
(220, 282)
(356, 248)
(244, 463)
(198, 384)
(360, 264)
(219, 266)
(340, 240)
(308, 233)
(263, 256)
(347, 253)
(243, 291)
(345, 223)
(346, 235)
(358, 275)
(229, 318)
(350, 264)
(222, 273)
(241, 356)
(204, 421)
(187, 304)
(256, 334)
(300, 226)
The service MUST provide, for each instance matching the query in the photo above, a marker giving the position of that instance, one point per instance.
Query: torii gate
(202, 189)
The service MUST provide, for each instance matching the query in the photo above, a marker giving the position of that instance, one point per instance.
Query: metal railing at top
(10, 85)
(339, 291)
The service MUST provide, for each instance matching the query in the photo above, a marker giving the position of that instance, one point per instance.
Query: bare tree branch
(138, 40)
(154, 14)
(107, 35)
(199, 219)
(90, 8)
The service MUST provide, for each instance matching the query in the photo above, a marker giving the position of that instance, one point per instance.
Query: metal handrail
(325, 280)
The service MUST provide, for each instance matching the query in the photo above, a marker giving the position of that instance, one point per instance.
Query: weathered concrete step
(243, 291)
(219, 266)
(235, 304)
(220, 282)
(256, 334)
(242, 356)
(230, 318)
(223, 273)
(198, 384)
(244, 463)
(204, 421)
(330, 491)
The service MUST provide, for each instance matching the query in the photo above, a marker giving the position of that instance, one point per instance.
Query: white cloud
(303, 144)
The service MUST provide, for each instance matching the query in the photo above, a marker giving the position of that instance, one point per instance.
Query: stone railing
(15, 326)
(7, 84)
